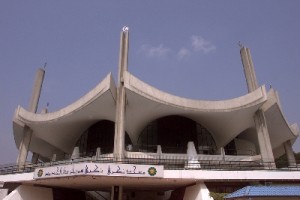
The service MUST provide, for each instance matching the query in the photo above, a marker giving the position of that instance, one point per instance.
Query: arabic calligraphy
(122, 171)
(102, 169)
(64, 170)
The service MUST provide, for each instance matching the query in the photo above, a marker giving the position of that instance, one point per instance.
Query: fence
(169, 163)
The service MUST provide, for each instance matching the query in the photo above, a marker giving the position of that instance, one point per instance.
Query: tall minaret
(119, 141)
(249, 69)
(259, 117)
(33, 105)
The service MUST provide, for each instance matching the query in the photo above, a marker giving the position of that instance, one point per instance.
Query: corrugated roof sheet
(267, 191)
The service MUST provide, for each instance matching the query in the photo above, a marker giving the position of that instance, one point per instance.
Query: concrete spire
(123, 56)
(259, 117)
(33, 105)
(248, 69)
(36, 92)
(119, 141)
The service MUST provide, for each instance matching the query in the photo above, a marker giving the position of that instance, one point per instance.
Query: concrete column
(116, 193)
(98, 152)
(3, 193)
(259, 117)
(119, 140)
(289, 153)
(75, 153)
(264, 139)
(35, 158)
(53, 159)
(120, 197)
(223, 154)
(192, 156)
(24, 146)
(33, 105)
(198, 191)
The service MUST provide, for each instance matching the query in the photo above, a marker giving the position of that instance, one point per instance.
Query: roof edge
(134, 84)
(23, 115)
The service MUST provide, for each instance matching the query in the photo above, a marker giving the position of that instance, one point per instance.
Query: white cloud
(200, 44)
(152, 51)
(183, 53)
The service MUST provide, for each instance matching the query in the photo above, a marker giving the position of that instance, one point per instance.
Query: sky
(186, 48)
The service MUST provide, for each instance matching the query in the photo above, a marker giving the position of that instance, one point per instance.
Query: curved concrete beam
(276, 121)
(134, 84)
(63, 127)
(224, 119)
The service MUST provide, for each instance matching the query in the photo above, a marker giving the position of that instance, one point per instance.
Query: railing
(206, 150)
(171, 163)
(239, 152)
(142, 148)
(14, 169)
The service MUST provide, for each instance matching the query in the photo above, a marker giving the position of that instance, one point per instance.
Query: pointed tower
(259, 117)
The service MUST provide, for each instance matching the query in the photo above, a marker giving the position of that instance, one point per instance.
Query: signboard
(100, 169)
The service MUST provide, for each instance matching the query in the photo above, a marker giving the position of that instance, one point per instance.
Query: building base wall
(197, 192)
(3, 193)
(30, 193)
(147, 195)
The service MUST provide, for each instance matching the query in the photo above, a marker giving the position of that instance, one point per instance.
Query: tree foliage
(217, 196)
(283, 162)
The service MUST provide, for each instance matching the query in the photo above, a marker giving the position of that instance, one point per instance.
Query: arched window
(100, 134)
(173, 134)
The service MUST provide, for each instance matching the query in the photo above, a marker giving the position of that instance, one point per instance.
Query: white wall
(197, 192)
(232, 175)
(3, 193)
(16, 177)
(30, 193)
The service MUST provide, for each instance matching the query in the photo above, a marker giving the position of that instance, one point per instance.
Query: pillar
(119, 140)
(259, 117)
(264, 139)
(289, 153)
(223, 154)
(33, 105)
(53, 159)
(76, 153)
(198, 191)
(24, 147)
(35, 156)
(192, 162)
(116, 193)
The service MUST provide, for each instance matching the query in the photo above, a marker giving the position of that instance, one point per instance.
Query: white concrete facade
(30, 193)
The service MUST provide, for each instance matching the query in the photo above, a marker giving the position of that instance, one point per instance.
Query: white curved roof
(62, 128)
(59, 131)
(224, 119)
(280, 130)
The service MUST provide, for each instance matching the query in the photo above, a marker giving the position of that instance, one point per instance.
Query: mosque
(129, 140)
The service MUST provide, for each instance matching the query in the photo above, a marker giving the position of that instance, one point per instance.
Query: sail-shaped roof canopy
(62, 128)
(225, 119)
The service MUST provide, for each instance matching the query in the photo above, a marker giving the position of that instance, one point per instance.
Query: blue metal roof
(267, 191)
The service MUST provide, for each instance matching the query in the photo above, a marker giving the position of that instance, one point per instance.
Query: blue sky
(186, 48)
